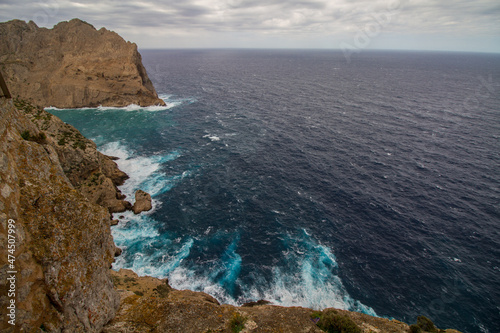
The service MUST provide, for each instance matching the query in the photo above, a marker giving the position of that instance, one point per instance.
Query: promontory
(73, 65)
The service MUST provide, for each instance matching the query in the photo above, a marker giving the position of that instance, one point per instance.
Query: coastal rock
(73, 65)
(142, 202)
(63, 244)
(94, 174)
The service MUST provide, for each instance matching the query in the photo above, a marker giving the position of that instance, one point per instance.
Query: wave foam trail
(169, 101)
(306, 277)
(145, 172)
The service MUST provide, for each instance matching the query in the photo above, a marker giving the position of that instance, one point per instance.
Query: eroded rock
(142, 202)
(73, 65)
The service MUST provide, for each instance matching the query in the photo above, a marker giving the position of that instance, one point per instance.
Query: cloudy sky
(457, 25)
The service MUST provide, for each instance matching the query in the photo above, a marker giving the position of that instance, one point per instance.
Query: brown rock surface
(63, 242)
(73, 65)
(151, 305)
(142, 202)
(94, 174)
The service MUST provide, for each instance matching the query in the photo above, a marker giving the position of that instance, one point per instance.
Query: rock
(73, 65)
(63, 241)
(118, 251)
(94, 174)
(114, 222)
(142, 202)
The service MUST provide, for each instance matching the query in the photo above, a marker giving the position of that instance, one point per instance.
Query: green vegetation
(237, 322)
(26, 135)
(72, 136)
(415, 329)
(41, 138)
(424, 324)
(95, 180)
(332, 322)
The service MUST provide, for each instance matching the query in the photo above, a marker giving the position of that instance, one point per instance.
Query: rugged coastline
(73, 65)
(61, 192)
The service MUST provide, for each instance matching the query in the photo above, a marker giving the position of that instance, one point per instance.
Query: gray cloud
(326, 21)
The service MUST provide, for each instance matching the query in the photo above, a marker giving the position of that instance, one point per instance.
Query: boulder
(142, 202)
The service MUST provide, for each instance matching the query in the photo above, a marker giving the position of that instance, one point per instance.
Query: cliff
(63, 246)
(73, 65)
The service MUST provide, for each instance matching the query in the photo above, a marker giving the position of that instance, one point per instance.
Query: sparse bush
(79, 144)
(237, 322)
(415, 329)
(426, 324)
(40, 138)
(26, 135)
(332, 322)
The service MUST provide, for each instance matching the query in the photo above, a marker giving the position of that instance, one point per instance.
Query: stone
(142, 202)
(64, 242)
(73, 65)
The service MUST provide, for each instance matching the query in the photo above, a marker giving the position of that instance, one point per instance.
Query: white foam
(212, 137)
(145, 172)
(134, 107)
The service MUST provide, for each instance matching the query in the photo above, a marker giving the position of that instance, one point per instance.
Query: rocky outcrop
(95, 175)
(63, 244)
(142, 202)
(73, 65)
(151, 305)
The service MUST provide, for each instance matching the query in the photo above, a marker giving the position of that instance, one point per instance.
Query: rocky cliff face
(95, 175)
(63, 244)
(73, 65)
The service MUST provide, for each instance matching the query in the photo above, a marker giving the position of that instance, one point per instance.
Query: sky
(348, 25)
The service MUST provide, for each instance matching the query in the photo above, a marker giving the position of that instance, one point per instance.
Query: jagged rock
(73, 65)
(63, 242)
(142, 202)
(118, 251)
(94, 174)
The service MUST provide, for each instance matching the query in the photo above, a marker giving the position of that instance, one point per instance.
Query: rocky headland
(73, 65)
(59, 192)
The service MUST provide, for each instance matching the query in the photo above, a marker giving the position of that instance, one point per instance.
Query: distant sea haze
(302, 179)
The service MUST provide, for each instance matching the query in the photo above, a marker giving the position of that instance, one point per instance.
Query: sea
(305, 179)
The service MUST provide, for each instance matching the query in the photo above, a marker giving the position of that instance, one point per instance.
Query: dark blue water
(296, 177)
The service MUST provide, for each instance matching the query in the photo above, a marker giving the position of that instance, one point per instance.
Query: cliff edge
(55, 245)
(73, 65)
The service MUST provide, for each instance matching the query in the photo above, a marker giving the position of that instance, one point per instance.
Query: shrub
(26, 135)
(237, 322)
(426, 324)
(40, 138)
(332, 322)
(415, 329)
